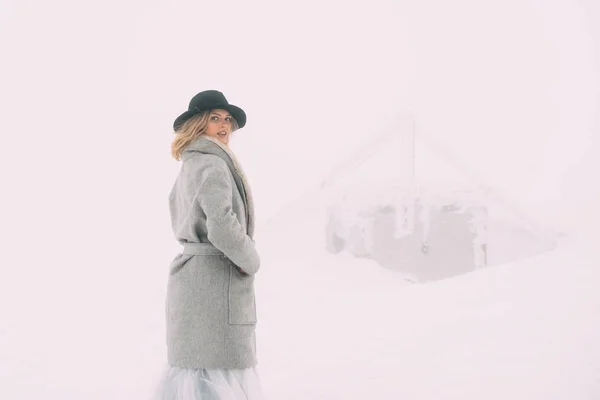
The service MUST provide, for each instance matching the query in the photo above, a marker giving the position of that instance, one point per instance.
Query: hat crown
(207, 98)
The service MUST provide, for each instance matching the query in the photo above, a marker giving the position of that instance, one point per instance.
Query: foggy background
(89, 91)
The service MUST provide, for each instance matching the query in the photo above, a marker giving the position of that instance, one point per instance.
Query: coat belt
(201, 249)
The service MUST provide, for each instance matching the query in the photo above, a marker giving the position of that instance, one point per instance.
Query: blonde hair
(190, 130)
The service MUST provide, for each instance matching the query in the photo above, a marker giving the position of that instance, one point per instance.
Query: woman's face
(220, 124)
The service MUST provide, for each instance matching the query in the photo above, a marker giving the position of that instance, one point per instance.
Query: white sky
(90, 91)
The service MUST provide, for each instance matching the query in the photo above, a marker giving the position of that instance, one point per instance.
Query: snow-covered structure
(408, 203)
(426, 235)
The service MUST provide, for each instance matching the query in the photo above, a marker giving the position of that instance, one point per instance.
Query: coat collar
(208, 145)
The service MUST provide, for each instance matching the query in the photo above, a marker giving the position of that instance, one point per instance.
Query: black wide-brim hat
(210, 100)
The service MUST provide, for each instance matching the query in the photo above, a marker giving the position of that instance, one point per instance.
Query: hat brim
(237, 113)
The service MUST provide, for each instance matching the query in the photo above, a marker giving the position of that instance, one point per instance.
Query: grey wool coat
(210, 305)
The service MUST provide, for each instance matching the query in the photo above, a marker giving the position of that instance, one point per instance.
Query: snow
(520, 331)
(86, 239)
(331, 327)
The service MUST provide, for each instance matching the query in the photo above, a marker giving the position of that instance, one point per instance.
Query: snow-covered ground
(522, 331)
(86, 170)
(331, 327)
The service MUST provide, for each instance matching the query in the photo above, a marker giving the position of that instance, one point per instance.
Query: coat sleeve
(223, 228)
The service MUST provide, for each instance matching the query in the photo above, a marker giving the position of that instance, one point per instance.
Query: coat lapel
(208, 145)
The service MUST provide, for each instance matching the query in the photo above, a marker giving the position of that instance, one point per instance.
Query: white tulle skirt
(209, 384)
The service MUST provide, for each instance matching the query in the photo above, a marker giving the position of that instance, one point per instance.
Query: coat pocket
(178, 262)
(242, 302)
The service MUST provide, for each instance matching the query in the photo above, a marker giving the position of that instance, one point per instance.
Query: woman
(210, 307)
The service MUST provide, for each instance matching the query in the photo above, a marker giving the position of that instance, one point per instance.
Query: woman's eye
(214, 118)
(228, 119)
